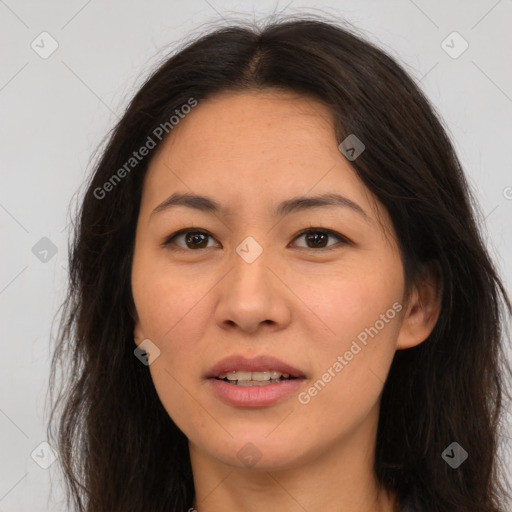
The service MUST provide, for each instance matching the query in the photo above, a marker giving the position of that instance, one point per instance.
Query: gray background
(56, 110)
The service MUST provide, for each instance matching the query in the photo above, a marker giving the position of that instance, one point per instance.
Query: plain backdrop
(56, 109)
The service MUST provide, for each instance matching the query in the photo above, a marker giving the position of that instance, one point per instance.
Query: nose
(253, 296)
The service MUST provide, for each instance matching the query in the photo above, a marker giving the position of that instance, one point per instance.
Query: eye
(195, 239)
(198, 239)
(319, 236)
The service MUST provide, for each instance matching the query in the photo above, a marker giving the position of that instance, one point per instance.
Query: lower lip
(255, 396)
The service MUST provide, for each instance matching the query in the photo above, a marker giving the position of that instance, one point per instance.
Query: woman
(280, 299)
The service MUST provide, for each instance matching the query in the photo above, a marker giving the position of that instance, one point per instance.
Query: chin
(257, 452)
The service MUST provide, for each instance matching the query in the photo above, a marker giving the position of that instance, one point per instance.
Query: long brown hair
(120, 450)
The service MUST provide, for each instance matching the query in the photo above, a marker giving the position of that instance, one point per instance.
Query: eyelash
(168, 241)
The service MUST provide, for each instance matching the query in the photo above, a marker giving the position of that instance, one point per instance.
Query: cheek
(361, 305)
(360, 312)
(342, 304)
(169, 301)
(173, 313)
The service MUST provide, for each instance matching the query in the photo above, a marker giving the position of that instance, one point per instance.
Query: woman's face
(252, 286)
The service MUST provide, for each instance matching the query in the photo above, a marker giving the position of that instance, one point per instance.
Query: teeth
(237, 376)
(265, 376)
(248, 383)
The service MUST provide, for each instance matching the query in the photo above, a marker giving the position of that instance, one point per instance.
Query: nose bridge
(249, 250)
(250, 263)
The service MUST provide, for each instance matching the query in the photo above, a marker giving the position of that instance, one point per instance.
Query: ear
(138, 334)
(423, 307)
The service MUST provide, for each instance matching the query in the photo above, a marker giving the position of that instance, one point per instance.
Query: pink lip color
(254, 396)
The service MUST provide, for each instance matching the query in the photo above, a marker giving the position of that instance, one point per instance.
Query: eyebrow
(295, 204)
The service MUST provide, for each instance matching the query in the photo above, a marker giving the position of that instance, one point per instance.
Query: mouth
(263, 370)
(262, 381)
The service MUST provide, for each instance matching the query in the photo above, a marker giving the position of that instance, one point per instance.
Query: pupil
(192, 238)
(314, 238)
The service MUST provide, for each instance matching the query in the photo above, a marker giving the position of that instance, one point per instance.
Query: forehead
(266, 124)
(250, 148)
(252, 135)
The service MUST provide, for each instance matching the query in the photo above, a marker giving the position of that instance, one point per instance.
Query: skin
(301, 303)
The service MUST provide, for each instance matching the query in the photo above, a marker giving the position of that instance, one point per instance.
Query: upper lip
(253, 364)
